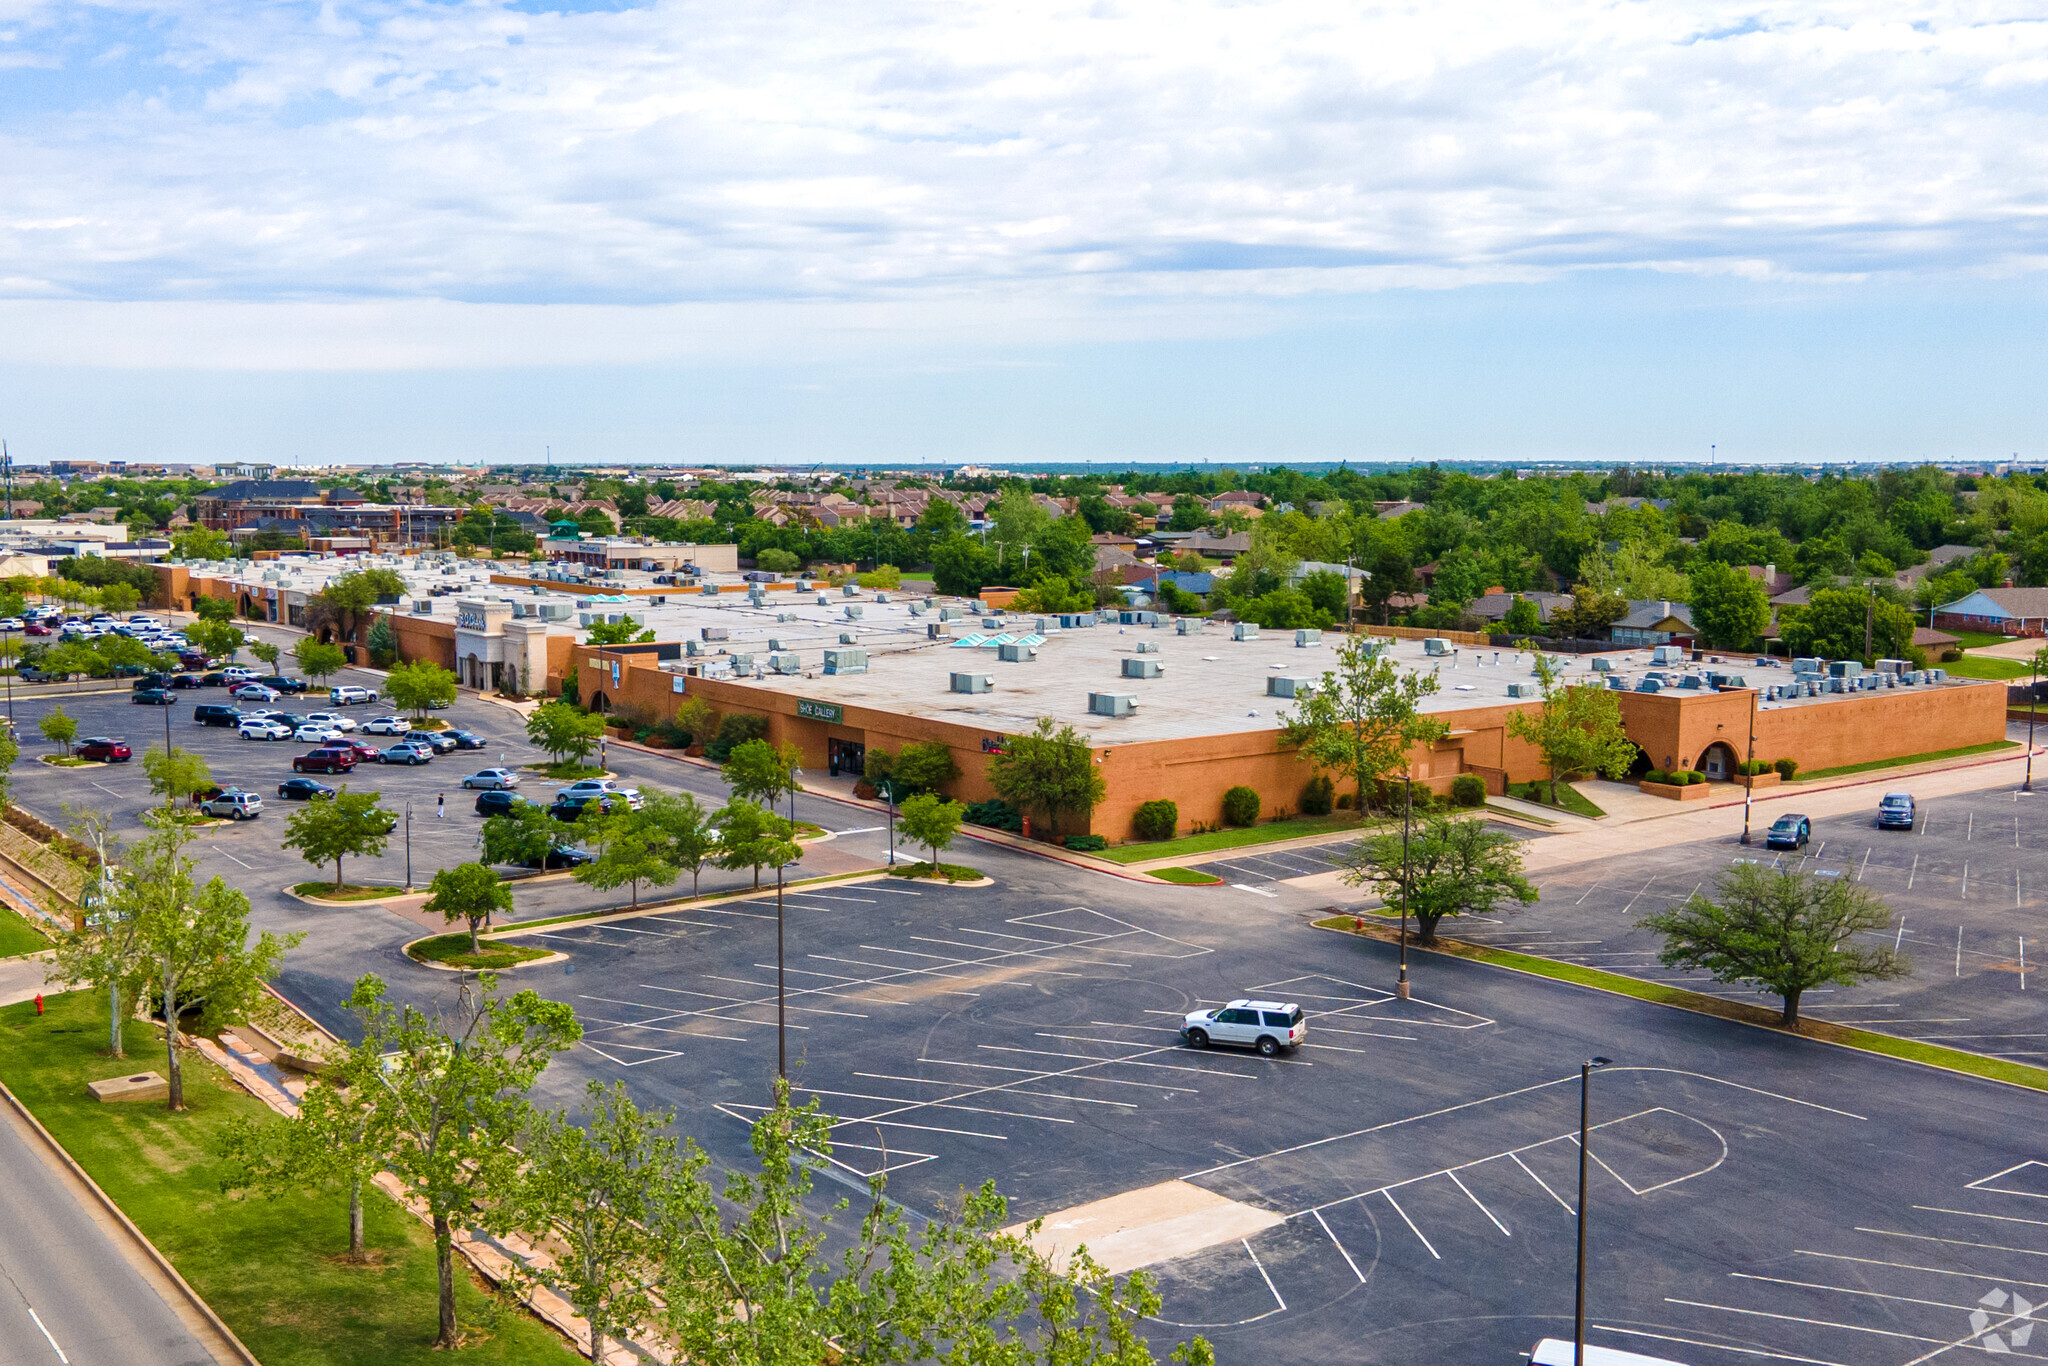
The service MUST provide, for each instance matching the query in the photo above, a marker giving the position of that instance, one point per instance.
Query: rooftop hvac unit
(1188, 626)
(1893, 666)
(824, 599)
(1147, 647)
(1602, 665)
(717, 633)
(422, 607)
(1281, 685)
(1016, 652)
(775, 645)
(917, 609)
(782, 617)
(936, 630)
(848, 638)
(1111, 704)
(784, 662)
(1137, 618)
(1616, 683)
(973, 682)
(710, 590)
(1305, 638)
(949, 614)
(1524, 690)
(991, 623)
(743, 663)
(803, 585)
(1937, 675)
(1436, 647)
(930, 603)
(1074, 621)
(846, 661)
(1136, 667)
(1845, 668)
(854, 611)
(1808, 665)
(850, 590)
(1245, 630)
(1649, 685)
(691, 647)
(881, 597)
(756, 594)
(1045, 626)
(976, 606)
(1667, 654)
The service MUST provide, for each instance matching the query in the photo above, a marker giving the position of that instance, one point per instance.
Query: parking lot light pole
(2033, 688)
(1407, 812)
(781, 1005)
(1749, 791)
(408, 845)
(1579, 1304)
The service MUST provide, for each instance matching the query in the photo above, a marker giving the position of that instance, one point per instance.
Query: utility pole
(2033, 688)
(1869, 619)
(1579, 1307)
(1407, 813)
(1750, 791)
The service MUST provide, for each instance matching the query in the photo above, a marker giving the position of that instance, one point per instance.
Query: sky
(940, 232)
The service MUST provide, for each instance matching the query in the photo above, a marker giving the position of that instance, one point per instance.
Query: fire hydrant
(39, 1003)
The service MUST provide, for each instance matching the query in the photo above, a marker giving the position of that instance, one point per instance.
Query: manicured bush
(1241, 806)
(1156, 820)
(1656, 775)
(1318, 796)
(1951, 656)
(1786, 768)
(735, 730)
(1750, 768)
(1468, 789)
(996, 816)
(1087, 844)
(1344, 801)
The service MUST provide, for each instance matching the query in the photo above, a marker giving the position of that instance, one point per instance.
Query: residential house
(1495, 606)
(1399, 508)
(2001, 611)
(1655, 623)
(1236, 500)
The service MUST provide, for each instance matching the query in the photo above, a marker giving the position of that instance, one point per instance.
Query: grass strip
(1930, 757)
(1987, 666)
(1977, 640)
(1208, 841)
(19, 936)
(348, 891)
(1187, 877)
(1824, 1031)
(272, 1269)
(951, 872)
(1569, 798)
(738, 893)
(567, 773)
(452, 950)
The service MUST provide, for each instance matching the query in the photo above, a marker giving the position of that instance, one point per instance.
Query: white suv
(349, 695)
(1268, 1026)
(331, 720)
(263, 730)
(388, 725)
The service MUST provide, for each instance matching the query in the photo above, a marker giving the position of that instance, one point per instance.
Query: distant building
(1655, 623)
(2001, 611)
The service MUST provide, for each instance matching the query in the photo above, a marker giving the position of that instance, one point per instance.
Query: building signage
(820, 711)
(991, 744)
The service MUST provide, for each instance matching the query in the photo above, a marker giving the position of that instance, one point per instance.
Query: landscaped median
(274, 1270)
(1213, 841)
(453, 951)
(957, 873)
(328, 893)
(1186, 877)
(1821, 1031)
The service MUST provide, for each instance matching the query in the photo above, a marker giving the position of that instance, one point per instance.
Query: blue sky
(1109, 230)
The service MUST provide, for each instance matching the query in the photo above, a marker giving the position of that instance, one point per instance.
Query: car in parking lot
(303, 790)
(253, 692)
(568, 808)
(365, 752)
(1269, 1026)
(1788, 832)
(234, 804)
(107, 751)
(562, 856)
(499, 801)
(185, 682)
(239, 673)
(316, 733)
(492, 778)
(466, 739)
(327, 759)
(284, 683)
(596, 787)
(387, 725)
(1896, 811)
(153, 697)
(440, 740)
(215, 714)
(349, 695)
(406, 752)
(333, 719)
(35, 628)
(263, 729)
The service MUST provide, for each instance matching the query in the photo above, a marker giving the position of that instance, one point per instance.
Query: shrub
(1318, 796)
(1656, 775)
(996, 816)
(1468, 789)
(864, 790)
(1156, 820)
(1951, 656)
(1786, 768)
(886, 576)
(777, 561)
(1343, 801)
(1241, 806)
(1750, 768)
(735, 730)
(1087, 844)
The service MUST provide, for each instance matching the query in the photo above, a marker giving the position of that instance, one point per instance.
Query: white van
(1555, 1352)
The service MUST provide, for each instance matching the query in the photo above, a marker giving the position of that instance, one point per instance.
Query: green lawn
(1569, 798)
(1187, 877)
(568, 773)
(951, 872)
(18, 936)
(1294, 828)
(1987, 666)
(453, 950)
(348, 891)
(270, 1268)
(1977, 640)
(1931, 756)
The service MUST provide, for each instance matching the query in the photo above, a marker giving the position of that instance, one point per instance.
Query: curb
(396, 894)
(228, 1349)
(406, 949)
(1695, 1004)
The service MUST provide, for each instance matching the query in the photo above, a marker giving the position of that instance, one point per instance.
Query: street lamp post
(889, 792)
(408, 845)
(1749, 791)
(1407, 812)
(781, 1012)
(1579, 1303)
(2033, 687)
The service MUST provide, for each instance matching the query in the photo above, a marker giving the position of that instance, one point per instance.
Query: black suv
(284, 684)
(214, 714)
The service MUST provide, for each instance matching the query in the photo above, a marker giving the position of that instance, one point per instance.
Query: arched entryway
(1718, 762)
(600, 703)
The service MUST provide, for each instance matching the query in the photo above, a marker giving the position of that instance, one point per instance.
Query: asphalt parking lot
(1413, 1170)
(1966, 886)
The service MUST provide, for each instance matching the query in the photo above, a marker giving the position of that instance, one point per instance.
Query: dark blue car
(1789, 832)
(1895, 811)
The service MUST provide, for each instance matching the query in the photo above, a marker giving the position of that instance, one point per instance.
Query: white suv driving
(1268, 1026)
(349, 695)
(331, 720)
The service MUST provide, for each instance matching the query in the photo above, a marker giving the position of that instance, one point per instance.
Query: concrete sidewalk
(21, 979)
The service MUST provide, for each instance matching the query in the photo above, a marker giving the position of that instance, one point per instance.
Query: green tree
(1522, 618)
(347, 597)
(962, 566)
(1364, 717)
(266, 652)
(194, 939)
(317, 661)
(594, 1181)
(680, 829)
(176, 774)
(383, 642)
(1577, 727)
(456, 1086)
(59, 727)
(340, 1134)
(525, 834)
(1834, 621)
(921, 766)
(103, 949)
(1781, 931)
(348, 823)
(777, 561)
(120, 598)
(932, 821)
(216, 639)
(695, 719)
(751, 836)
(1049, 770)
(761, 772)
(624, 631)
(1454, 867)
(633, 851)
(419, 687)
(1729, 608)
(1589, 617)
(564, 731)
(214, 609)
(200, 543)
(471, 892)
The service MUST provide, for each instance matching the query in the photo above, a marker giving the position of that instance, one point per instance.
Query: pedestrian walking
(441, 807)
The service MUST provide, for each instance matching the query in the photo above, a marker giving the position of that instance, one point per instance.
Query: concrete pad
(1151, 1224)
(138, 1086)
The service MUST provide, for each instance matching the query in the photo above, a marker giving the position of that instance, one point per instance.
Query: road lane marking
(67, 1360)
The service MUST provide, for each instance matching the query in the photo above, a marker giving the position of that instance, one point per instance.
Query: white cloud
(947, 161)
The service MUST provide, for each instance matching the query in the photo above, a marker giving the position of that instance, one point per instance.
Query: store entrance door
(846, 756)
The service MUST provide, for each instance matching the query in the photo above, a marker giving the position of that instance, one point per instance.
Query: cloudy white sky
(957, 230)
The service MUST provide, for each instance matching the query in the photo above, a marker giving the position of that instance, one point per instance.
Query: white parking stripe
(1410, 1222)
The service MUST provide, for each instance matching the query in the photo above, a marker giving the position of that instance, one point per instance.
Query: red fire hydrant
(39, 1003)
(1358, 923)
